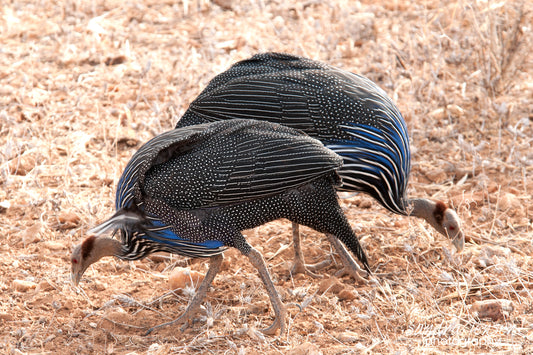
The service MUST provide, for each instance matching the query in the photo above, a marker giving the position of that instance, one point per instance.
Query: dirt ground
(83, 84)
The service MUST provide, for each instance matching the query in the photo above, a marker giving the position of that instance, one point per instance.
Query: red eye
(74, 261)
(451, 228)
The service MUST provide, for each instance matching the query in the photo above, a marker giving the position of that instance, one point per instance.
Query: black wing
(232, 162)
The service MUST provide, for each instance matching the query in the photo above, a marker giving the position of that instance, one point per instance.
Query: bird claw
(350, 267)
(194, 306)
(272, 330)
(185, 318)
(308, 269)
(357, 274)
(279, 322)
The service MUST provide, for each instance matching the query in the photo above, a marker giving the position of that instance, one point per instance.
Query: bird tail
(122, 219)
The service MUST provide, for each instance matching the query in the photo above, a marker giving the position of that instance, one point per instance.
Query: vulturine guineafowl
(347, 112)
(192, 190)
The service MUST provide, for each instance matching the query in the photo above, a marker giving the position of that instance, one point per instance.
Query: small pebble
(45, 286)
(6, 317)
(332, 285)
(33, 233)
(68, 220)
(54, 245)
(100, 286)
(305, 349)
(23, 286)
(492, 309)
(346, 294)
(183, 277)
(348, 337)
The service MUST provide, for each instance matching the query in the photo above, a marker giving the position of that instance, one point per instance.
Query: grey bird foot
(299, 267)
(186, 318)
(350, 267)
(214, 266)
(279, 323)
(257, 261)
(357, 273)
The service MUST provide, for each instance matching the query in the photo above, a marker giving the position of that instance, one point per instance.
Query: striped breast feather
(375, 161)
(375, 145)
(390, 121)
(143, 244)
(157, 236)
(144, 234)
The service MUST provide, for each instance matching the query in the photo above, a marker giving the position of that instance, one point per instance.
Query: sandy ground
(84, 84)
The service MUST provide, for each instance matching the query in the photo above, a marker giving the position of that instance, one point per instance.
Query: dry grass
(83, 84)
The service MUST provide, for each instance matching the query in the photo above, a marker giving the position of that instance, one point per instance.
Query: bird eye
(74, 261)
(451, 228)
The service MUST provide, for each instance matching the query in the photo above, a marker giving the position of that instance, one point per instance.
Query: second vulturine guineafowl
(347, 112)
(191, 191)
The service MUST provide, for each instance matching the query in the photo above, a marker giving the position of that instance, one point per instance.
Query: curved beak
(76, 277)
(77, 273)
(459, 241)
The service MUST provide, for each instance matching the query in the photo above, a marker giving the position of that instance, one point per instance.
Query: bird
(192, 190)
(348, 112)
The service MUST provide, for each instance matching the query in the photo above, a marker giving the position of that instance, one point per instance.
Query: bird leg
(350, 266)
(299, 267)
(279, 309)
(214, 266)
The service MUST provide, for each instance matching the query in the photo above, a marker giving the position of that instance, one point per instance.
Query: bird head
(90, 251)
(441, 217)
(447, 222)
(80, 259)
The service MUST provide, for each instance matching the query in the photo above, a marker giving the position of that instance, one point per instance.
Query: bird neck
(425, 209)
(104, 246)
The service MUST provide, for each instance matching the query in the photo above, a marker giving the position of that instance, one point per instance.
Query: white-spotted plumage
(192, 190)
(347, 112)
